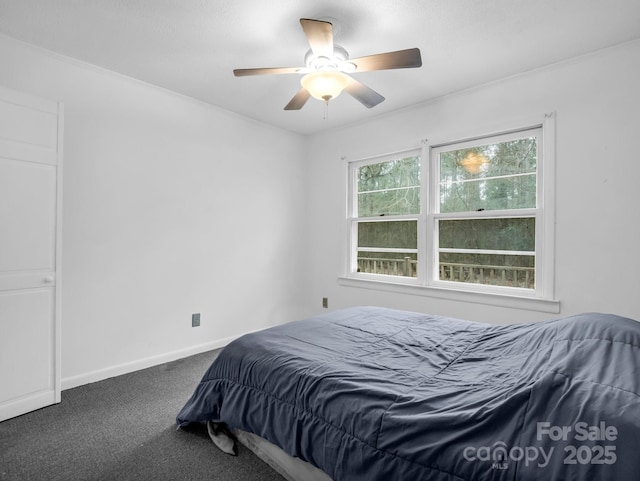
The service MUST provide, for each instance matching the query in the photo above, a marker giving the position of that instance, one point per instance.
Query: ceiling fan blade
(319, 35)
(363, 94)
(243, 72)
(409, 58)
(298, 100)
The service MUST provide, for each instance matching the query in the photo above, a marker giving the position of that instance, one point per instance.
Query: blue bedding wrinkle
(370, 394)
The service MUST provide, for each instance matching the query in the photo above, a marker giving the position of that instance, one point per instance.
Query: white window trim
(540, 299)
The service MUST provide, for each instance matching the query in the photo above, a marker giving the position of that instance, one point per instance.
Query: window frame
(434, 215)
(427, 281)
(353, 219)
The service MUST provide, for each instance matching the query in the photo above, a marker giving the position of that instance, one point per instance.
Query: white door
(30, 207)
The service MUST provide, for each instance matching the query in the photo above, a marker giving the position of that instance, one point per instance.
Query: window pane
(388, 247)
(497, 270)
(398, 234)
(388, 263)
(495, 176)
(508, 234)
(488, 251)
(388, 188)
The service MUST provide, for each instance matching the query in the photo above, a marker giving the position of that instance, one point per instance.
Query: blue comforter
(371, 394)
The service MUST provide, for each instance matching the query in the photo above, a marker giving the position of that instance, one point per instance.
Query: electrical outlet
(195, 320)
(325, 302)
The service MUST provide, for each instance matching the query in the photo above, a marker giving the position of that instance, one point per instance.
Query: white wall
(597, 103)
(171, 207)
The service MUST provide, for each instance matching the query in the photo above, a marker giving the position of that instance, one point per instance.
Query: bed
(369, 393)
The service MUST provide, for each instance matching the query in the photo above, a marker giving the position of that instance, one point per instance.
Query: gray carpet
(123, 429)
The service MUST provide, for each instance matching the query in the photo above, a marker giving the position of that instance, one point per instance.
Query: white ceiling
(192, 46)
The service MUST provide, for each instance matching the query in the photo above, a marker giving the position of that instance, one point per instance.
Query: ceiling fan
(327, 66)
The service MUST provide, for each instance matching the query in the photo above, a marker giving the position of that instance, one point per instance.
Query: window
(472, 216)
(386, 211)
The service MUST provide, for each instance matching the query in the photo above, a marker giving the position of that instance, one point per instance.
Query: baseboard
(24, 404)
(101, 374)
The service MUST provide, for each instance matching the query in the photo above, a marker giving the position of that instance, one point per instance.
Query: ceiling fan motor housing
(339, 61)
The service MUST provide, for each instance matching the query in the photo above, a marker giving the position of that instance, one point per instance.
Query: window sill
(501, 300)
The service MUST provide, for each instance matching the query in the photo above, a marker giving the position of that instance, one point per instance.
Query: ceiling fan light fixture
(325, 84)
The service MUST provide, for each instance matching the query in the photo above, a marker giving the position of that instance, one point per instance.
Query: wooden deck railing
(456, 272)
(394, 267)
